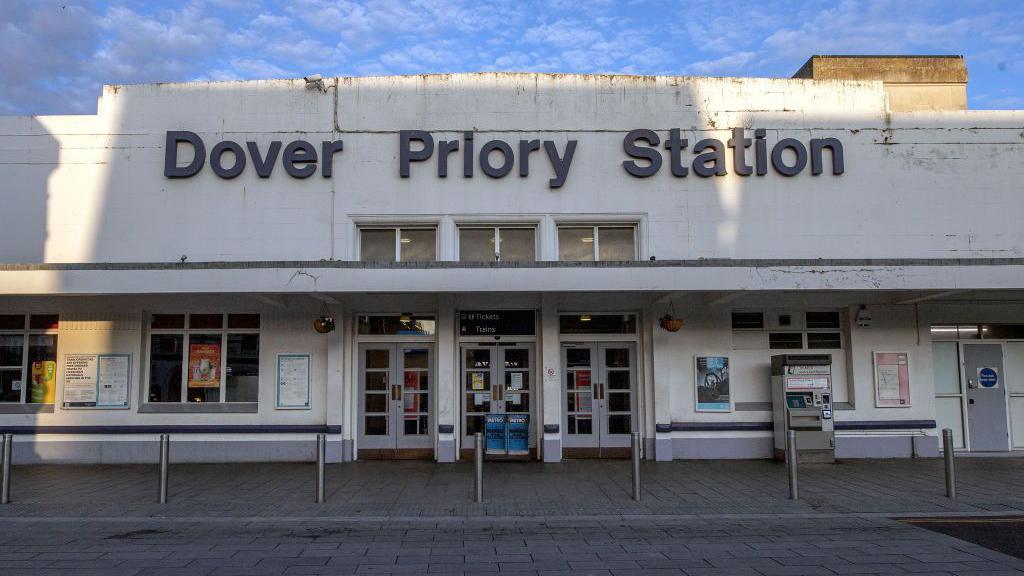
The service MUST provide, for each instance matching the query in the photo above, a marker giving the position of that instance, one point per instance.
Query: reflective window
(398, 244)
(597, 324)
(786, 340)
(417, 245)
(824, 340)
(575, 244)
(377, 245)
(206, 362)
(393, 324)
(589, 243)
(497, 244)
(28, 358)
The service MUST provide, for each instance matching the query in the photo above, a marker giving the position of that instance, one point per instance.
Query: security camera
(315, 82)
(312, 78)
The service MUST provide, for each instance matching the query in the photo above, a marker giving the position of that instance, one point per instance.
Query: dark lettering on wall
(835, 147)
(171, 168)
(299, 159)
(716, 157)
(264, 165)
(217, 158)
(653, 157)
(778, 162)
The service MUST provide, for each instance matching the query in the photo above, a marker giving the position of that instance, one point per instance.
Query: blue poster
(518, 434)
(495, 432)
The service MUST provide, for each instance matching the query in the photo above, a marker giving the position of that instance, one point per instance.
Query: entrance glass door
(496, 379)
(599, 408)
(395, 389)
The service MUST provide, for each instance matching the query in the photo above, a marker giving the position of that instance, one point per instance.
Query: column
(661, 349)
(447, 381)
(551, 371)
(339, 443)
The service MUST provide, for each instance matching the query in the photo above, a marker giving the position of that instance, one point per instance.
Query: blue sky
(57, 54)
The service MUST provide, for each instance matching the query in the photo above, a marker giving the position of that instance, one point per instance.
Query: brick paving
(577, 517)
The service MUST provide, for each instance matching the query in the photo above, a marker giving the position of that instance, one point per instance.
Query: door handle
(396, 392)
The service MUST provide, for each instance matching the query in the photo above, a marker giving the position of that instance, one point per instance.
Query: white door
(599, 403)
(395, 395)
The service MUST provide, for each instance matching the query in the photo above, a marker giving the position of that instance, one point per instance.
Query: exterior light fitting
(584, 317)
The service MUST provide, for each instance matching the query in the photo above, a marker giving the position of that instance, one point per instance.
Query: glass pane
(167, 321)
(1017, 421)
(618, 379)
(946, 367)
(42, 369)
(517, 402)
(416, 425)
(786, 340)
(12, 322)
(11, 385)
(620, 424)
(474, 424)
(747, 320)
(517, 245)
(244, 321)
(616, 244)
(376, 380)
(517, 358)
(418, 245)
(1014, 366)
(577, 357)
(243, 368)
(396, 324)
(204, 367)
(416, 380)
(948, 415)
(478, 358)
(378, 359)
(165, 356)
(478, 381)
(476, 244)
(576, 244)
(376, 425)
(418, 358)
(516, 381)
(375, 402)
(206, 321)
(616, 357)
(44, 322)
(619, 402)
(377, 245)
(478, 402)
(822, 320)
(824, 340)
(597, 324)
(11, 351)
(1003, 331)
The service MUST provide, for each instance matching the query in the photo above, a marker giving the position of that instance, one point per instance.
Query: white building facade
(505, 244)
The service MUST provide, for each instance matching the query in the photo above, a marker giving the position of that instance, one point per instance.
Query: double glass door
(599, 403)
(396, 386)
(496, 379)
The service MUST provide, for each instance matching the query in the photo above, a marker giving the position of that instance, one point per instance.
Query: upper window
(589, 243)
(747, 320)
(412, 244)
(497, 244)
(597, 323)
(397, 324)
(820, 320)
(204, 358)
(28, 358)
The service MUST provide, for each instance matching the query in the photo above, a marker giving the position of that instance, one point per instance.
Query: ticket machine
(802, 402)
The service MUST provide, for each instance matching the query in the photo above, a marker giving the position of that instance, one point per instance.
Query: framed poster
(711, 384)
(97, 380)
(293, 382)
(892, 379)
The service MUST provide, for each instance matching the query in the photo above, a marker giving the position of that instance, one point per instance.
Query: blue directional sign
(988, 377)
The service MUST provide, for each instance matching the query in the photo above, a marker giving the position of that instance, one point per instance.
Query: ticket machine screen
(796, 402)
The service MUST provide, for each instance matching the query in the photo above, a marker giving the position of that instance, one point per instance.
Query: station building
(397, 261)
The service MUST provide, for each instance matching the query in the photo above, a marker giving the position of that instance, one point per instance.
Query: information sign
(97, 380)
(892, 379)
(293, 385)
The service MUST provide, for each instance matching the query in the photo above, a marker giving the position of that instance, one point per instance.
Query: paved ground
(697, 518)
(1004, 535)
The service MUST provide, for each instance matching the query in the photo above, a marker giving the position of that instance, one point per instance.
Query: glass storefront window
(28, 358)
(207, 362)
(589, 243)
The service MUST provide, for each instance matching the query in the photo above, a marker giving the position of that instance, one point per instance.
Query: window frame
(26, 333)
(496, 230)
(397, 230)
(224, 331)
(596, 231)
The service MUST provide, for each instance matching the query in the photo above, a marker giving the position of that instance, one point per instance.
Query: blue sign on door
(495, 431)
(518, 434)
(988, 377)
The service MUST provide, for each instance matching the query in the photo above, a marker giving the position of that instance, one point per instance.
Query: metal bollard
(478, 463)
(636, 466)
(947, 455)
(791, 462)
(321, 457)
(5, 488)
(165, 455)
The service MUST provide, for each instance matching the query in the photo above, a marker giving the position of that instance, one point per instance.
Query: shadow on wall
(28, 158)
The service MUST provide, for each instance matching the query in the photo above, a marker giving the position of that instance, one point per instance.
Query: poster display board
(204, 365)
(711, 380)
(97, 380)
(293, 381)
(892, 379)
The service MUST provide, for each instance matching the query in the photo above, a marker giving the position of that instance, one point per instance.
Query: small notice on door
(477, 381)
(515, 381)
